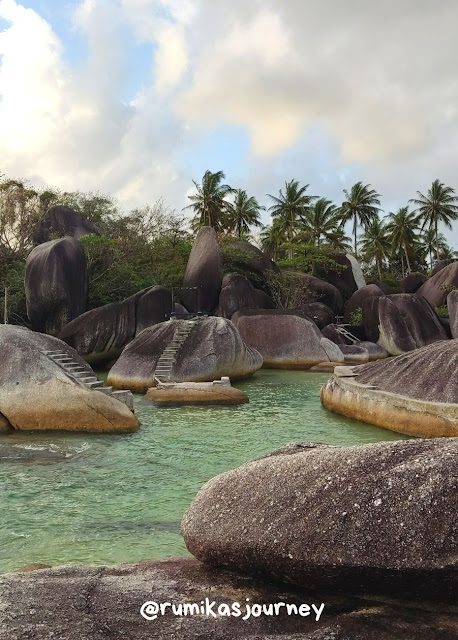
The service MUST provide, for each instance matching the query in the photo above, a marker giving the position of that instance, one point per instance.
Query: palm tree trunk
(437, 240)
(378, 268)
(402, 265)
(407, 258)
(354, 233)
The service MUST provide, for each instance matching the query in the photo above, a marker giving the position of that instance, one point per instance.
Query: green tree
(375, 243)
(243, 213)
(360, 206)
(289, 209)
(209, 203)
(320, 221)
(402, 229)
(439, 205)
(272, 239)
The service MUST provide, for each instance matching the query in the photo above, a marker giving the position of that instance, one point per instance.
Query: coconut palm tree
(243, 213)
(402, 231)
(320, 221)
(359, 206)
(439, 205)
(272, 238)
(209, 203)
(289, 208)
(375, 244)
(427, 243)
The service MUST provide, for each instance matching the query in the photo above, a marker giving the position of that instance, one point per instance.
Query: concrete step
(125, 397)
(83, 375)
(107, 390)
(95, 385)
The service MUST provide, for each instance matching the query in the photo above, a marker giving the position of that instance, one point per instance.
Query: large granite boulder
(347, 279)
(452, 304)
(285, 339)
(401, 322)
(237, 292)
(316, 290)
(36, 394)
(355, 303)
(319, 312)
(378, 519)
(437, 288)
(106, 603)
(60, 221)
(254, 263)
(203, 276)
(412, 282)
(56, 284)
(415, 393)
(440, 265)
(213, 348)
(101, 334)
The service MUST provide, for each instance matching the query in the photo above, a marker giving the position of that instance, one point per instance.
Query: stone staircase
(168, 356)
(344, 332)
(79, 373)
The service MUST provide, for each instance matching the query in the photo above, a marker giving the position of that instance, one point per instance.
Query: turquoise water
(104, 499)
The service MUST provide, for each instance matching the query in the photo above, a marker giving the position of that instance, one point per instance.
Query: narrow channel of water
(97, 499)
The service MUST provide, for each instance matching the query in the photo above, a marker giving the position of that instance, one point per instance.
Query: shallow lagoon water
(103, 499)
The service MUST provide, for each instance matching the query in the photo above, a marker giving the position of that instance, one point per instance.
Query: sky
(137, 98)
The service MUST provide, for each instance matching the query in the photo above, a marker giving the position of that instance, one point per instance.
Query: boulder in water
(212, 349)
(55, 284)
(37, 394)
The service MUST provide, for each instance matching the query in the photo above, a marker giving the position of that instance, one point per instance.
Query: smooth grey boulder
(286, 339)
(60, 221)
(440, 265)
(375, 351)
(105, 603)
(401, 322)
(100, 335)
(214, 348)
(319, 291)
(437, 288)
(354, 353)
(237, 292)
(412, 282)
(36, 394)
(203, 276)
(452, 304)
(56, 284)
(319, 312)
(355, 303)
(378, 519)
(347, 279)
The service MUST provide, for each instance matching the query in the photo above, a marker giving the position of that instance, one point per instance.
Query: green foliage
(289, 289)
(308, 257)
(12, 276)
(442, 311)
(234, 260)
(356, 317)
(448, 287)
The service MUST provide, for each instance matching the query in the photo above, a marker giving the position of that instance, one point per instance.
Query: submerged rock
(415, 393)
(401, 322)
(285, 339)
(55, 284)
(379, 519)
(36, 394)
(106, 602)
(60, 221)
(101, 334)
(213, 349)
(203, 272)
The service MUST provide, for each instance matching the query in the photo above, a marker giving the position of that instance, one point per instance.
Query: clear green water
(105, 499)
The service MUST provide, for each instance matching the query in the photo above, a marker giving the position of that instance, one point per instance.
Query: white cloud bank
(378, 80)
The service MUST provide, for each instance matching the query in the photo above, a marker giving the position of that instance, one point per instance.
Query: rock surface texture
(437, 288)
(452, 304)
(401, 322)
(204, 272)
(415, 393)
(237, 292)
(101, 334)
(95, 603)
(284, 340)
(60, 221)
(412, 282)
(36, 394)
(355, 303)
(378, 519)
(213, 349)
(55, 284)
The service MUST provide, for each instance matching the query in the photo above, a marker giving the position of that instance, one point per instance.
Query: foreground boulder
(101, 334)
(55, 284)
(36, 394)
(203, 276)
(379, 519)
(437, 288)
(415, 393)
(401, 322)
(213, 349)
(106, 601)
(60, 221)
(285, 339)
